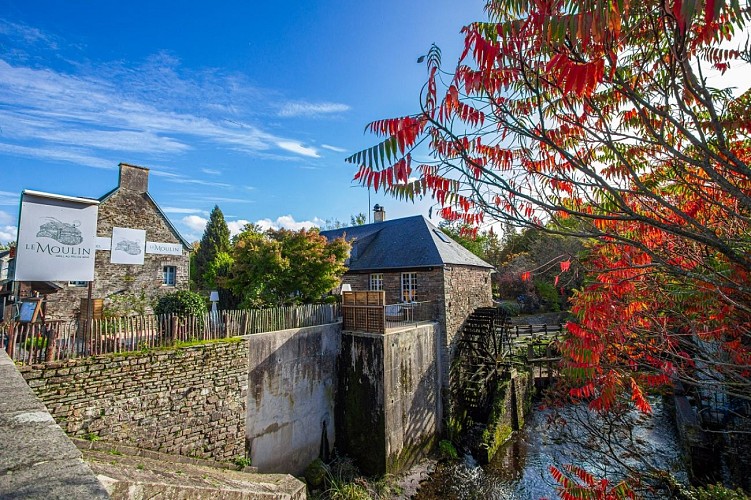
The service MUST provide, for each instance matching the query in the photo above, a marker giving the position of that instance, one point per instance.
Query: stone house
(413, 261)
(129, 205)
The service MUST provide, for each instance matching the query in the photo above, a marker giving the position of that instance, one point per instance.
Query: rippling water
(572, 435)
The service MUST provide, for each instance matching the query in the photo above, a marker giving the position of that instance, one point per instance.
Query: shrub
(448, 452)
(510, 308)
(548, 295)
(181, 302)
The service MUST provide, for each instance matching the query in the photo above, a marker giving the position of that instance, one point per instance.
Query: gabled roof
(174, 230)
(403, 243)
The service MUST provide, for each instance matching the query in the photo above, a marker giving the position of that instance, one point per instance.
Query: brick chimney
(134, 178)
(379, 213)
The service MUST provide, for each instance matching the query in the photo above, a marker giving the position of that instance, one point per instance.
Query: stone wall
(429, 284)
(467, 288)
(129, 206)
(388, 405)
(188, 401)
(290, 415)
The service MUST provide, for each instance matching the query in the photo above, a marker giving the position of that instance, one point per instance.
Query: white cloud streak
(311, 109)
(333, 148)
(110, 110)
(296, 147)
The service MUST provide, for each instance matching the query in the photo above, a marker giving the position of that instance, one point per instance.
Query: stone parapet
(37, 460)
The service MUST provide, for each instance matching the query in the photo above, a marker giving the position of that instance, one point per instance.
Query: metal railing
(30, 343)
(378, 318)
(409, 313)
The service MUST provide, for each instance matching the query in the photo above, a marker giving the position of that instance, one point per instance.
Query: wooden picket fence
(30, 343)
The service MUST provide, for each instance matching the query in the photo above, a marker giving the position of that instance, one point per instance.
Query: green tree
(279, 267)
(214, 241)
(458, 232)
(354, 220)
(181, 302)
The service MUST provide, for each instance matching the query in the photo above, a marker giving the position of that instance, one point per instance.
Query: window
(169, 275)
(376, 281)
(78, 283)
(409, 287)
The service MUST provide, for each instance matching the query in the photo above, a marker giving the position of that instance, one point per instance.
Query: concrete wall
(37, 460)
(188, 401)
(290, 410)
(388, 406)
(412, 395)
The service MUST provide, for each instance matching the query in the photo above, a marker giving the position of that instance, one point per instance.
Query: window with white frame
(409, 287)
(376, 281)
(78, 283)
(169, 275)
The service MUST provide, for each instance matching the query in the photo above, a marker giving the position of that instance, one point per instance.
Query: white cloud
(56, 152)
(196, 223)
(296, 147)
(177, 210)
(9, 198)
(333, 148)
(8, 234)
(292, 109)
(5, 217)
(84, 117)
(236, 226)
(289, 222)
(211, 171)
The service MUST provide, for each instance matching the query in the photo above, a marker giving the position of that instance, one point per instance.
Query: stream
(572, 435)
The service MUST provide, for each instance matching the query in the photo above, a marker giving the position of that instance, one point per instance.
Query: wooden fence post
(173, 330)
(51, 344)
(10, 348)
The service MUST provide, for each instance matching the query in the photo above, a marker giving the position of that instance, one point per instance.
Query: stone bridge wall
(188, 401)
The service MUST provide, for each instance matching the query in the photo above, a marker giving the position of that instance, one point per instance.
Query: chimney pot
(379, 213)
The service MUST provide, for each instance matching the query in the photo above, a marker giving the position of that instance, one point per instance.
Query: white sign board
(103, 243)
(164, 248)
(127, 245)
(56, 238)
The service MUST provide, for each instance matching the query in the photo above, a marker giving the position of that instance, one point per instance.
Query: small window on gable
(169, 275)
(376, 281)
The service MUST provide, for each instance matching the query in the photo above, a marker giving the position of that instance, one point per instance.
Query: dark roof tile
(403, 243)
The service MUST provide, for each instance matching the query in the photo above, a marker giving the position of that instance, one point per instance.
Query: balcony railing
(367, 312)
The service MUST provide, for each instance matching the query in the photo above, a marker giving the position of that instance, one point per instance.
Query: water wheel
(483, 349)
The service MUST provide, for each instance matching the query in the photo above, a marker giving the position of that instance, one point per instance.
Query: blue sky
(249, 105)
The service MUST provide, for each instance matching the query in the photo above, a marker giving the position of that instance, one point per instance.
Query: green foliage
(475, 245)
(38, 342)
(715, 492)
(510, 308)
(315, 473)
(215, 240)
(181, 302)
(448, 452)
(455, 426)
(218, 270)
(548, 295)
(119, 305)
(282, 267)
(354, 220)
(241, 462)
(348, 491)
(91, 436)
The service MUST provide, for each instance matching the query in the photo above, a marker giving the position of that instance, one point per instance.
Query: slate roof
(403, 243)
